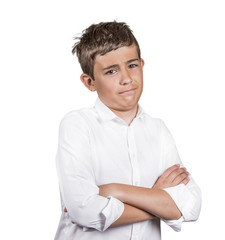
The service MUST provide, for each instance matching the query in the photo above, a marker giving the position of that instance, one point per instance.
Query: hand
(173, 176)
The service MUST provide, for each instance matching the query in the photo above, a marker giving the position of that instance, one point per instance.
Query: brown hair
(100, 39)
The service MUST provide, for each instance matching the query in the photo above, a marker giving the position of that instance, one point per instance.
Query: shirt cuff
(112, 211)
(184, 200)
(175, 224)
(109, 214)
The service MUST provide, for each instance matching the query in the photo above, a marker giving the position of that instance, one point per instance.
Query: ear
(142, 62)
(88, 82)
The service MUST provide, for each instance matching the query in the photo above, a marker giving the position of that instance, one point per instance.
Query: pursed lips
(129, 91)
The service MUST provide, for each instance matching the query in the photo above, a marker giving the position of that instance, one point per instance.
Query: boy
(119, 170)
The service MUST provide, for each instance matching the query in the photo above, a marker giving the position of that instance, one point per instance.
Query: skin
(142, 204)
(152, 201)
(118, 80)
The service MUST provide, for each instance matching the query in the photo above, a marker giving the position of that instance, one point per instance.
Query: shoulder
(76, 119)
(156, 126)
(153, 122)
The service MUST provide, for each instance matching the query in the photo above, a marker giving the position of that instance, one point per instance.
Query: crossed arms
(142, 204)
(172, 196)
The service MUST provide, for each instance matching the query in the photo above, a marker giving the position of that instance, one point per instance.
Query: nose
(125, 77)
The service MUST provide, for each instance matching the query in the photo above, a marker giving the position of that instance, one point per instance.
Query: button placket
(135, 171)
(133, 157)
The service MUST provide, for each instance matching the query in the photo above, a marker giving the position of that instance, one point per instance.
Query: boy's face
(119, 78)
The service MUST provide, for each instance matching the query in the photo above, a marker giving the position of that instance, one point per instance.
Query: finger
(180, 178)
(173, 175)
(186, 181)
(170, 170)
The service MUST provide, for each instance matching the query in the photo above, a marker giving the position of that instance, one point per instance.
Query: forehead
(119, 56)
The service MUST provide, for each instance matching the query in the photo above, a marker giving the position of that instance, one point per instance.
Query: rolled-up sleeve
(75, 165)
(188, 200)
(186, 197)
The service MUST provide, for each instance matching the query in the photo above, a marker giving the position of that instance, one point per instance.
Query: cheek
(140, 77)
(137, 75)
(108, 88)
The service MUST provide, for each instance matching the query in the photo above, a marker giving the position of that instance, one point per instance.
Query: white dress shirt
(96, 147)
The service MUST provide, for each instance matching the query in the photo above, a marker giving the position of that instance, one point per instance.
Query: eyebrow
(133, 60)
(116, 65)
(111, 66)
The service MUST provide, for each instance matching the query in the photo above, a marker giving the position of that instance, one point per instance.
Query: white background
(183, 44)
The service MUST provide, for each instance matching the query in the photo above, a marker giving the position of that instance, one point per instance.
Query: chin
(132, 100)
(130, 105)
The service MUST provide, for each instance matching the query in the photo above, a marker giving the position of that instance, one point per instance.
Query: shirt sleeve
(187, 197)
(79, 191)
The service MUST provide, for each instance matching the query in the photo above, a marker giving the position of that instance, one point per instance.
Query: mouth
(128, 92)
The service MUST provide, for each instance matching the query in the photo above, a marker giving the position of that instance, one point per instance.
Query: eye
(110, 72)
(133, 65)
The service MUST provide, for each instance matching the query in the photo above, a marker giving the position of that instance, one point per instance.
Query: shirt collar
(106, 114)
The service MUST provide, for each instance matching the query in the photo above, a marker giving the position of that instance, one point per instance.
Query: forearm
(154, 201)
(132, 215)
